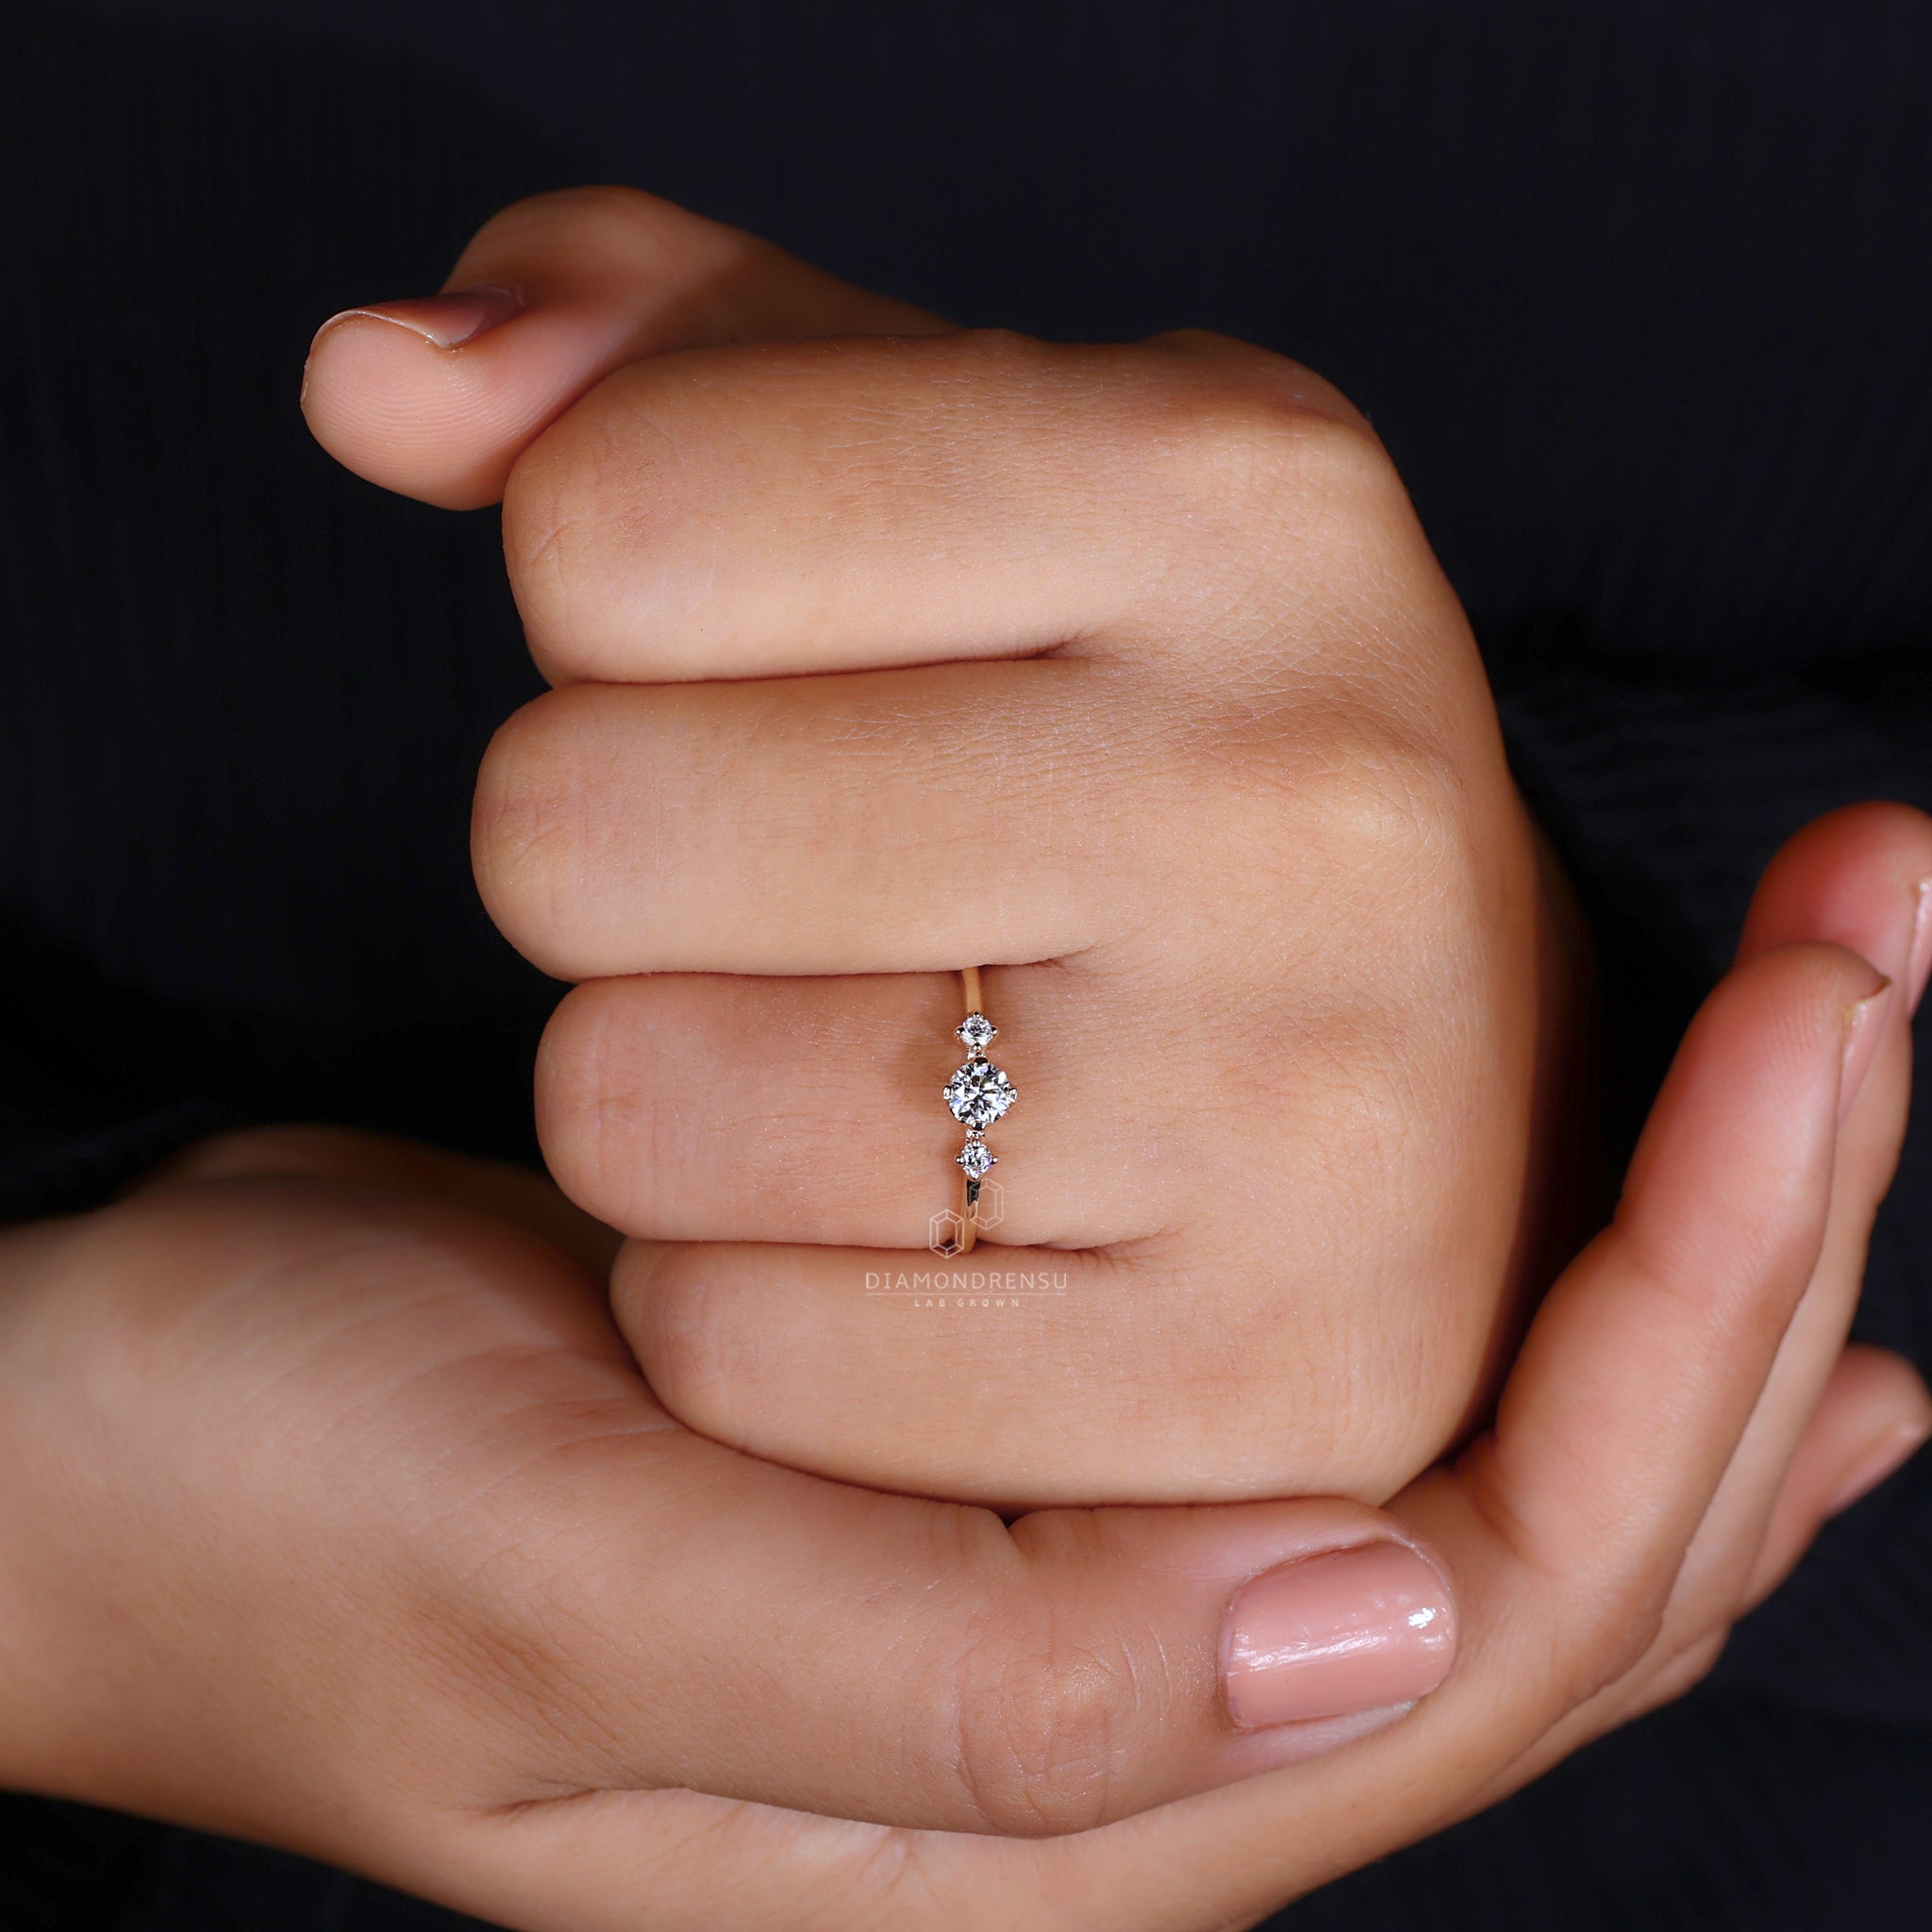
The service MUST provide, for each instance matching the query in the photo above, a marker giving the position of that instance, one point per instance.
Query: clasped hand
(879, 650)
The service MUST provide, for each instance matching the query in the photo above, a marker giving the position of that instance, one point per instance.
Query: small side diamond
(976, 1029)
(975, 1157)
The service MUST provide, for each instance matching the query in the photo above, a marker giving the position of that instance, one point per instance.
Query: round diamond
(979, 1093)
(975, 1157)
(977, 1030)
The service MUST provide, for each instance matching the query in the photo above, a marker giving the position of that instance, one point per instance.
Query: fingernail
(1892, 1451)
(1863, 1025)
(1919, 962)
(448, 321)
(1329, 1636)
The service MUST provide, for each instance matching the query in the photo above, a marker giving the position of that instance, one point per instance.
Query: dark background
(1640, 295)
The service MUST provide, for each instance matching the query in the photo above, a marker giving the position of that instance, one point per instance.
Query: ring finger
(723, 1108)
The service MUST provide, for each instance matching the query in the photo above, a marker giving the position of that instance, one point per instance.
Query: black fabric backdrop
(1640, 295)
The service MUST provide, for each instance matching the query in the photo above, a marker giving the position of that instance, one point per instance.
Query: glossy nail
(1863, 1025)
(448, 321)
(1355, 1631)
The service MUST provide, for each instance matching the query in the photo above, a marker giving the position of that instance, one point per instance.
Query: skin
(345, 1519)
(1124, 672)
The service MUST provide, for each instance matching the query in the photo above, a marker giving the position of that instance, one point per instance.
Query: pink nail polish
(1354, 1630)
(448, 321)
(1863, 1025)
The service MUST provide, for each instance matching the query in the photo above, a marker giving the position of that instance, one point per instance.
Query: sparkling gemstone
(975, 1157)
(979, 1093)
(976, 1029)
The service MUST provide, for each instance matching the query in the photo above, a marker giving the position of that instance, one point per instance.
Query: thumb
(437, 397)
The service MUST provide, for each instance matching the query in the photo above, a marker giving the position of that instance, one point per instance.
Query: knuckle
(607, 204)
(678, 1315)
(1354, 800)
(1608, 1638)
(1607, 1621)
(594, 1117)
(1198, 415)
(1244, 437)
(1626, 1629)
(531, 822)
(1045, 1730)
(564, 519)
(1391, 804)
(603, 224)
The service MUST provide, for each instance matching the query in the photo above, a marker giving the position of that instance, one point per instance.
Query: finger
(719, 1106)
(802, 825)
(730, 1118)
(1329, 1607)
(1711, 1586)
(1859, 878)
(1570, 1528)
(437, 397)
(1022, 1377)
(1643, 1366)
(1854, 877)
(914, 820)
(840, 506)
(1872, 1415)
(746, 1115)
(723, 1108)
(763, 1634)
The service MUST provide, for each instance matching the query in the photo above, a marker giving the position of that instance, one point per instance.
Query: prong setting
(976, 1157)
(976, 1095)
(977, 1031)
(979, 1093)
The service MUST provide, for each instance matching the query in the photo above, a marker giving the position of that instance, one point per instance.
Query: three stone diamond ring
(976, 1095)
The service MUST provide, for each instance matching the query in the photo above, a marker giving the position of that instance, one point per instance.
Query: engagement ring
(976, 1095)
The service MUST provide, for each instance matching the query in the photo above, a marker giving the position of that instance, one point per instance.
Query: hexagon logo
(992, 1210)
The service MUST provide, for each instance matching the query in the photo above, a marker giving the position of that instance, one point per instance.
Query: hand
(1125, 669)
(1652, 1473)
(339, 1516)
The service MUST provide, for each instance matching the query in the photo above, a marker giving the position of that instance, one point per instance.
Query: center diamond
(979, 1093)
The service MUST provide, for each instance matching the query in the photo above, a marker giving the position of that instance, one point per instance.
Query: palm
(328, 1415)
